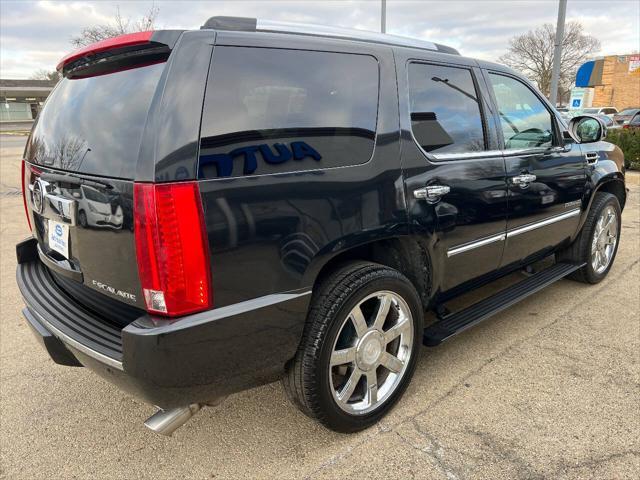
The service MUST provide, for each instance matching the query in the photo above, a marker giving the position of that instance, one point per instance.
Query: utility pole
(383, 16)
(557, 52)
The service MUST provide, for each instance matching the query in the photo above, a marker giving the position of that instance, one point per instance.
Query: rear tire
(597, 243)
(359, 348)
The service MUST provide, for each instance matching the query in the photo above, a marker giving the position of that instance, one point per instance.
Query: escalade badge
(37, 196)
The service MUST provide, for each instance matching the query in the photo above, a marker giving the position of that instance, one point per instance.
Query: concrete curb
(632, 177)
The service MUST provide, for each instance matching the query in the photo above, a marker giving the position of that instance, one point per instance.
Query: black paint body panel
(273, 232)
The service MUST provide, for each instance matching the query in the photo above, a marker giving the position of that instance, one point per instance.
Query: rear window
(274, 111)
(94, 125)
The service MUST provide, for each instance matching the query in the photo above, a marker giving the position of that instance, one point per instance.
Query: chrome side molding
(479, 243)
(542, 223)
(511, 233)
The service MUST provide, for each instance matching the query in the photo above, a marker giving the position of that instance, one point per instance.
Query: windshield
(94, 125)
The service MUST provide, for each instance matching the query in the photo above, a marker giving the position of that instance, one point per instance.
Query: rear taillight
(172, 248)
(24, 192)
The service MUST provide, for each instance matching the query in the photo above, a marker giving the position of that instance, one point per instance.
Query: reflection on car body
(95, 209)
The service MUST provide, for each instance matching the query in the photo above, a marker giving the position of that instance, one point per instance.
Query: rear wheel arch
(408, 255)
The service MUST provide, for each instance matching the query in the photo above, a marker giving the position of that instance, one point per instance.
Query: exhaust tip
(165, 422)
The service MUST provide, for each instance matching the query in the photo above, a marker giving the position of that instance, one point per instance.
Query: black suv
(217, 209)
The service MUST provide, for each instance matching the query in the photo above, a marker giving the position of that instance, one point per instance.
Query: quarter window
(445, 110)
(525, 121)
(275, 111)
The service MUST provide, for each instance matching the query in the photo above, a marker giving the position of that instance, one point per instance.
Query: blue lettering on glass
(301, 150)
(282, 154)
(58, 230)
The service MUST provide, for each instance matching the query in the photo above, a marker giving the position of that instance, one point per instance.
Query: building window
(11, 110)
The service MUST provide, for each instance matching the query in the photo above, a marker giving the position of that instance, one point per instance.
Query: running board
(454, 323)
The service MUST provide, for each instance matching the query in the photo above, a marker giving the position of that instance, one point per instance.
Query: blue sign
(576, 102)
(58, 230)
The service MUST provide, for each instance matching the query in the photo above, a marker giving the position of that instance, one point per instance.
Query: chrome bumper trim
(112, 362)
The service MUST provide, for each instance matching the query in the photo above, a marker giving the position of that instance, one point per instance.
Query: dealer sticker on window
(59, 237)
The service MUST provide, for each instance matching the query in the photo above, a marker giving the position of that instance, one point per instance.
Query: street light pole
(383, 16)
(557, 52)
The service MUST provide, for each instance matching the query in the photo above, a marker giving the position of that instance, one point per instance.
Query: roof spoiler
(121, 52)
(246, 24)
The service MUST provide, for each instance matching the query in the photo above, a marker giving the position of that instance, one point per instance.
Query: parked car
(607, 111)
(608, 122)
(95, 209)
(634, 123)
(625, 115)
(293, 201)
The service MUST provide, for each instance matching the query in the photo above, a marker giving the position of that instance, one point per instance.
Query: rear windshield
(94, 125)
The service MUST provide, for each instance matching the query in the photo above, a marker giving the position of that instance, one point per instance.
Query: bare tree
(44, 74)
(532, 54)
(119, 26)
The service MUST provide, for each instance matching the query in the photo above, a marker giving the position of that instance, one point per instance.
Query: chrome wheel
(371, 352)
(605, 238)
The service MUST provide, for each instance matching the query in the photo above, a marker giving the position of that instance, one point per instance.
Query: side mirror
(587, 129)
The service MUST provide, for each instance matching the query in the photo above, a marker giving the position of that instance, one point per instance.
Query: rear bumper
(193, 360)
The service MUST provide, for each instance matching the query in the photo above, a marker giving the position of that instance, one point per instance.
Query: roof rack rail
(246, 24)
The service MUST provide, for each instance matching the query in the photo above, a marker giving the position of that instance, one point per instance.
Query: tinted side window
(525, 121)
(445, 110)
(273, 111)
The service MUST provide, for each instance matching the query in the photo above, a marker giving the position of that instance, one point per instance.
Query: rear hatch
(81, 159)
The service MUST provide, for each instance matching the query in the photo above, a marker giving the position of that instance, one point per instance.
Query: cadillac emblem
(37, 196)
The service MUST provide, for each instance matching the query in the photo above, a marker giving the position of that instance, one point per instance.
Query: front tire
(359, 348)
(597, 243)
(82, 217)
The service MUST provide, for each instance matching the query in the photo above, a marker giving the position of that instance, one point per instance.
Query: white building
(21, 100)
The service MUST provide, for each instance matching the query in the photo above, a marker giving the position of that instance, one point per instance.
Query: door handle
(432, 193)
(523, 180)
(592, 157)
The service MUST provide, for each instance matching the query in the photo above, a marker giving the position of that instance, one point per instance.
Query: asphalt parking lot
(547, 389)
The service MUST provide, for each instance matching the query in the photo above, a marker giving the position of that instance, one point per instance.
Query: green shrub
(629, 142)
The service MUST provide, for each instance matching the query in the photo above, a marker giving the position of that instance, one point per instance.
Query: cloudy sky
(35, 35)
